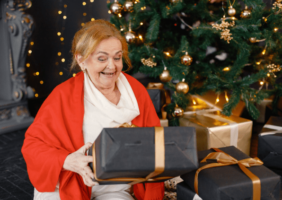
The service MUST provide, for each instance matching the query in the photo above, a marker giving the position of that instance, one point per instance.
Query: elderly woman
(77, 110)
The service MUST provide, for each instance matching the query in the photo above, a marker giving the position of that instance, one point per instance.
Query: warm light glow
(84, 14)
(83, 3)
(119, 15)
(59, 33)
(265, 19)
(59, 12)
(226, 97)
(258, 63)
(65, 17)
(261, 82)
(263, 52)
(59, 53)
(82, 24)
(65, 5)
(144, 7)
(27, 65)
(36, 95)
(268, 74)
(109, 12)
(233, 18)
(37, 73)
(92, 19)
(121, 29)
(63, 60)
(217, 100)
(141, 23)
(60, 73)
(226, 69)
(31, 43)
(91, 1)
(194, 102)
(61, 38)
(73, 74)
(275, 29)
(29, 51)
(140, 37)
(167, 53)
(41, 82)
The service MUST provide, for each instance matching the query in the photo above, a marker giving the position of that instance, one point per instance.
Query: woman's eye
(102, 59)
(117, 58)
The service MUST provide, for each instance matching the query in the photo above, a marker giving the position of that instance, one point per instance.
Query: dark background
(44, 57)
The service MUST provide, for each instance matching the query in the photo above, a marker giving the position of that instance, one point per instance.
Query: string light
(27, 65)
(268, 74)
(217, 99)
(60, 73)
(59, 53)
(109, 12)
(167, 53)
(263, 52)
(258, 63)
(226, 97)
(29, 51)
(84, 14)
(61, 38)
(65, 17)
(261, 82)
(59, 33)
(31, 43)
(119, 15)
(82, 24)
(65, 5)
(74, 74)
(41, 82)
(275, 29)
(226, 69)
(83, 3)
(36, 95)
(140, 37)
(141, 23)
(36, 74)
(194, 102)
(59, 12)
(91, 1)
(63, 60)
(92, 19)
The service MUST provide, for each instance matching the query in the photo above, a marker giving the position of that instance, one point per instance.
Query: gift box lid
(229, 182)
(130, 152)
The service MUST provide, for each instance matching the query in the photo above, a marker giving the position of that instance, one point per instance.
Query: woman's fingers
(84, 148)
(88, 177)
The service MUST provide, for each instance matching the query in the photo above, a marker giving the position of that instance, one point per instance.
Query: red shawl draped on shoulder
(57, 132)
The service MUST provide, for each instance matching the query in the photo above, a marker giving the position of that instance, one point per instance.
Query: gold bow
(223, 159)
(159, 160)
(167, 96)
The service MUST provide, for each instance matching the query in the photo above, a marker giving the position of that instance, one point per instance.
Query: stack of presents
(206, 157)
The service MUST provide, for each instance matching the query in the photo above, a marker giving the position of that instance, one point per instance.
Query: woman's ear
(78, 60)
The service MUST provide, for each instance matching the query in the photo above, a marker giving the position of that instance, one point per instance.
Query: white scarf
(100, 113)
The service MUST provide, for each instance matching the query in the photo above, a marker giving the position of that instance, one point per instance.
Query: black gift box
(158, 98)
(229, 182)
(270, 144)
(184, 192)
(130, 152)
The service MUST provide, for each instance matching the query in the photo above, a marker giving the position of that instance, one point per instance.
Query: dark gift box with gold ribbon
(228, 174)
(132, 155)
(184, 192)
(270, 144)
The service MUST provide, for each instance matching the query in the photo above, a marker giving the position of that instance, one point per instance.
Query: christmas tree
(195, 46)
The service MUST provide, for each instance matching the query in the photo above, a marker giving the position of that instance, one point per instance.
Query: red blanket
(57, 132)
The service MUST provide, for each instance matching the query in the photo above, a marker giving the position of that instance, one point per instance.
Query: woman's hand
(78, 162)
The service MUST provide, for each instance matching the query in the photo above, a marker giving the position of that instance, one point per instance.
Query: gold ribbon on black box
(160, 86)
(159, 159)
(223, 159)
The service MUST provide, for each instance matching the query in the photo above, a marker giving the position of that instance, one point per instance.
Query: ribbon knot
(223, 159)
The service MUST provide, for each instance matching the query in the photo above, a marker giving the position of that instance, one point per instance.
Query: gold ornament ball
(165, 76)
(128, 6)
(253, 40)
(116, 8)
(173, 1)
(245, 13)
(178, 112)
(182, 87)
(186, 59)
(130, 37)
(231, 11)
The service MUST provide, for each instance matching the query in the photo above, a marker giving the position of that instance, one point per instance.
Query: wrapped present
(199, 105)
(132, 155)
(269, 144)
(184, 192)
(216, 130)
(227, 174)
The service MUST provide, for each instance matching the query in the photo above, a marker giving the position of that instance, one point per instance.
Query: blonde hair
(87, 39)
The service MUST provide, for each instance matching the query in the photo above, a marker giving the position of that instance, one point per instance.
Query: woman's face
(105, 63)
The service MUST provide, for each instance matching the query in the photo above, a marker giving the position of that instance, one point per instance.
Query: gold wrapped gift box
(214, 130)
